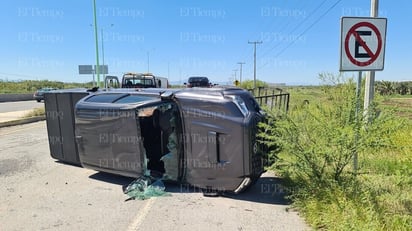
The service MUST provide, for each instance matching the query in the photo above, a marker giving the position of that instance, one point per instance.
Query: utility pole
(240, 74)
(370, 77)
(235, 70)
(168, 70)
(148, 59)
(148, 62)
(97, 43)
(254, 58)
(101, 30)
(103, 71)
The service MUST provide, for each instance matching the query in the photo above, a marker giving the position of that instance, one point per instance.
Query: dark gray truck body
(205, 137)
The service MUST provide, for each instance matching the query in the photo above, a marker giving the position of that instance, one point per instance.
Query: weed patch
(313, 147)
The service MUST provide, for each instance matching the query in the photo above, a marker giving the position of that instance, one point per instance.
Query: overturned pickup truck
(205, 137)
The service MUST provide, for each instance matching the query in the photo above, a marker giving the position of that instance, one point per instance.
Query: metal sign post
(370, 78)
(362, 49)
(357, 118)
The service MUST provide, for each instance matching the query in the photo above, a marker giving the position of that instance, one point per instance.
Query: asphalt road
(19, 106)
(39, 193)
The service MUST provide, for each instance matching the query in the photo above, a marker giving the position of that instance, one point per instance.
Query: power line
(306, 30)
(297, 26)
(288, 22)
(270, 19)
(312, 13)
(266, 23)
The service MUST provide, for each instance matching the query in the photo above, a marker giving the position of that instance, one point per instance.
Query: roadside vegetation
(30, 86)
(314, 145)
(35, 112)
(248, 84)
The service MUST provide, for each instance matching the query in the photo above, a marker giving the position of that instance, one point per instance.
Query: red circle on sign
(373, 56)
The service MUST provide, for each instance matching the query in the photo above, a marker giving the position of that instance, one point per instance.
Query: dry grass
(35, 112)
(402, 106)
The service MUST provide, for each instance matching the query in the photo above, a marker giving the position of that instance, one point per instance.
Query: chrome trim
(246, 182)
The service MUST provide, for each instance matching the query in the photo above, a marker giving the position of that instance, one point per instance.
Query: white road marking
(26, 127)
(140, 216)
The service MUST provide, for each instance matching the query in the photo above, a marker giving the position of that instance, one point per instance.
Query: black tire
(211, 193)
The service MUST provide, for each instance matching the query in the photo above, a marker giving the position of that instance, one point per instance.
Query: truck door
(214, 155)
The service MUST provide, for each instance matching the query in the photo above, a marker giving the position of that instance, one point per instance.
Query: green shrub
(314, 145)
(248, 84)
(316, 139)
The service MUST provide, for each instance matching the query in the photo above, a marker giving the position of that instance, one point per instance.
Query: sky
(297, 40)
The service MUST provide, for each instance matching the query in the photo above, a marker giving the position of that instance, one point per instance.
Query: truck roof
(151, 95)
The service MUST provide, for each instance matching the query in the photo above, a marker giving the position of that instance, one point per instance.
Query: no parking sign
(362, 43)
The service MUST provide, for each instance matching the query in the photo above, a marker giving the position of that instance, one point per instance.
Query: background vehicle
(145, 80)
(39, 94)
(111, 81)
(198, 81)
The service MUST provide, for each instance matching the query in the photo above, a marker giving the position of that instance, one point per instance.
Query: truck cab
(111, 81)
(143, 80)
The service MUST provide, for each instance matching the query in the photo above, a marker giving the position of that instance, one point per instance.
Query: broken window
(159, 129)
